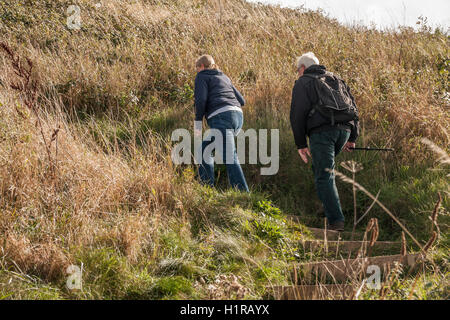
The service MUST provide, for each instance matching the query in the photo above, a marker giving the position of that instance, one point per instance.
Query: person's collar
(315, 68)
(211, 71)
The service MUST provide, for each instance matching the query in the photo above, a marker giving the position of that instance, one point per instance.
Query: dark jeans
(325, 146)
(228, 123)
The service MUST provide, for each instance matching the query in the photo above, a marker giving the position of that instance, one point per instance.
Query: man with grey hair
(328, 136)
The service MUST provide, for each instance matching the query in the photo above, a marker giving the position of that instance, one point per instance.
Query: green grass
(143, 229)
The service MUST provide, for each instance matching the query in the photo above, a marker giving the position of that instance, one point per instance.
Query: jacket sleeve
(300, 106)
(201, 97)
(355, 132)
(239, 96)
(355, 127)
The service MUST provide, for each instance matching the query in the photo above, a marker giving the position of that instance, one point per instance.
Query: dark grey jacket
(214, 90)
(304, 96)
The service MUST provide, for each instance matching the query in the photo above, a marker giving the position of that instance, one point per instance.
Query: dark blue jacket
(214, 90)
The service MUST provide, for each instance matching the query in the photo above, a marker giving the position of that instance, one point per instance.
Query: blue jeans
(325, 146)
(228, 123)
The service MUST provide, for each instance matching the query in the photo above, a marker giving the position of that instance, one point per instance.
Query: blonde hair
(207, 61)
(307, 60)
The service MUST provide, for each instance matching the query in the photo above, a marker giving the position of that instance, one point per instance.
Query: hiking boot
(337, 226)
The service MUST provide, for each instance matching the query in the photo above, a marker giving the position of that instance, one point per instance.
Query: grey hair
(307, 60)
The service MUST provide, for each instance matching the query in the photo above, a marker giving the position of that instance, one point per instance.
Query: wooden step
(313, 292)
(331, 234)
(347, 246)
(346, 269)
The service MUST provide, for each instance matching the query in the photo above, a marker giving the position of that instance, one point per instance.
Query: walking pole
(372, 149)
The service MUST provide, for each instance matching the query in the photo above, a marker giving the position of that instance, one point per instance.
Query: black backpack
(335, 102)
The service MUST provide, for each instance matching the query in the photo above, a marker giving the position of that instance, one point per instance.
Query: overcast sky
(384, 13)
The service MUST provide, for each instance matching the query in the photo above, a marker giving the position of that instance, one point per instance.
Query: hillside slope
(102, 190)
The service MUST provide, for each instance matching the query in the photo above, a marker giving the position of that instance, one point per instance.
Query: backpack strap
(309, 75)
(315, 77)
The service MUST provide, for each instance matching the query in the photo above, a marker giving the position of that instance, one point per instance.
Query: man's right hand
(304, 153)
(349, 146)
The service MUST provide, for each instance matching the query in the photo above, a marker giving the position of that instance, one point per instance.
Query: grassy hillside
(86, 176)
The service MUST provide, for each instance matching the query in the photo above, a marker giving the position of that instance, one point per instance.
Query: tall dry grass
(103, 193)
(399, 78)
(78, 197)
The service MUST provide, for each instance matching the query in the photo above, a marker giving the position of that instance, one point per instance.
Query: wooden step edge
(347, 269)
(409, 259)
(347, 245)
(312, 292)
(332, 242)
(317, 232)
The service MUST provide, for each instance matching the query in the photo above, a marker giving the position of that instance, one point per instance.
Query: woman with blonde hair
(217, 100)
